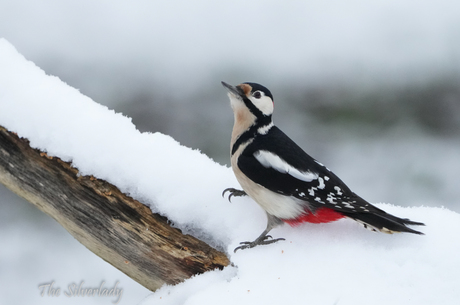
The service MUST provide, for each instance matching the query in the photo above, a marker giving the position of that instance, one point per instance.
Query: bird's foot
(233, 193)
(259, 241)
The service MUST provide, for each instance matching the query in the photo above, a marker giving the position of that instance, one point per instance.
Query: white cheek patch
(270, 160)
(264, 104)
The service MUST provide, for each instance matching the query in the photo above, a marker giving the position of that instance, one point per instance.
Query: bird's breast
(281, 206)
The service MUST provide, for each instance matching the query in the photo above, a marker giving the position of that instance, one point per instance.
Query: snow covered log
(121, 230)
(334, 263)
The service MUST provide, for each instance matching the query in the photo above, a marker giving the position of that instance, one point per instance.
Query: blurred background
(371, 89)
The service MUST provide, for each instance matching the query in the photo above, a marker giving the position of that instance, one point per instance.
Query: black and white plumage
(286, 182)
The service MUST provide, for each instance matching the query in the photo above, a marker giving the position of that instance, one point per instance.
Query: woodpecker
(284, 180)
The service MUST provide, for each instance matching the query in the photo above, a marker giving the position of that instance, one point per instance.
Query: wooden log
(121, 230)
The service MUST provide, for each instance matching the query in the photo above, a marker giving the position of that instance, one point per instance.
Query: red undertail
(320, 216)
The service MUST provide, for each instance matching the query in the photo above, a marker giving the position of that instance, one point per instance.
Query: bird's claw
(233, 192)
(252, 244)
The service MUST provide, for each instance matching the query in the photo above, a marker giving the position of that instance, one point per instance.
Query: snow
(337, 263)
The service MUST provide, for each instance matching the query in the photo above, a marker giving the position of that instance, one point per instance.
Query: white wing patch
(268, 159)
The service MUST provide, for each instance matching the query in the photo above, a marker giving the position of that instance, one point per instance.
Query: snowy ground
(339, 263)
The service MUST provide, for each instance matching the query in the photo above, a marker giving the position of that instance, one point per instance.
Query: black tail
(379, 220)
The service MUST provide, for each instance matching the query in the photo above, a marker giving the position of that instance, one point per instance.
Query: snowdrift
(338, 263)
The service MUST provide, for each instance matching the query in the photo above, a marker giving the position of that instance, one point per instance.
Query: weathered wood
(121, 230)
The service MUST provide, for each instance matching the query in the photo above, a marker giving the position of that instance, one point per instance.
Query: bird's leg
(264, 238)
(233, 192)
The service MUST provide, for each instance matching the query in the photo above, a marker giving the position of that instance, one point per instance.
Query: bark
(119, 229)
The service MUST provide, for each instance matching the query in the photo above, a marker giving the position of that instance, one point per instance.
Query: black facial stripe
(254, 110)
(251, 132)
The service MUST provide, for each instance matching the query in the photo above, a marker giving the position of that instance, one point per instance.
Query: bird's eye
(257, 94)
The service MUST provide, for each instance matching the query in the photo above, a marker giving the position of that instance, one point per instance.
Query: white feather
(270, 160)
(265, 129)
(284, 207)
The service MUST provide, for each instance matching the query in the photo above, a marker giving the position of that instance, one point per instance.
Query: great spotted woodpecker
(286, 182)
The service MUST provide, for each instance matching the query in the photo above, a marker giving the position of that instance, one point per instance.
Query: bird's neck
(241, 136)
(244, 120)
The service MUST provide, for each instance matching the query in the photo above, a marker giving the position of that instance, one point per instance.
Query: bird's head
(251, 98)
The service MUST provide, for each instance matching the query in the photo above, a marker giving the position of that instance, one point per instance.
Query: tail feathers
(403, 220)
(385, 222)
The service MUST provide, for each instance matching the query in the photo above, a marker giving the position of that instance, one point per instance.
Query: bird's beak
(236, 91)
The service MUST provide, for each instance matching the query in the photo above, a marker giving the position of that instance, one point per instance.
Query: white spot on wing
(338, 190)
(330, 198)
(348, 205)
(321, 183)
(319, 200)
(268, 159)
